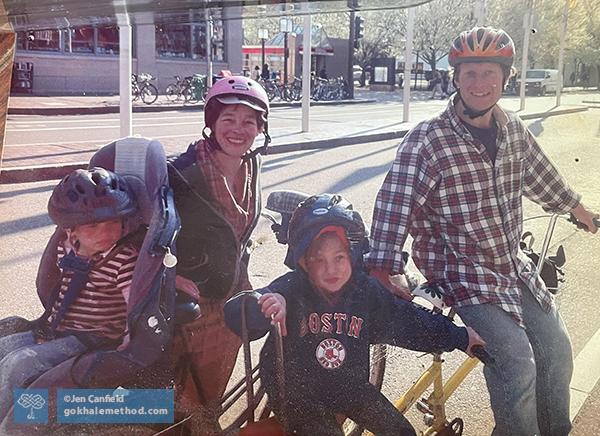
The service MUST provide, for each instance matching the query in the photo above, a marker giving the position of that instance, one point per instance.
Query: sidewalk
(19, 167)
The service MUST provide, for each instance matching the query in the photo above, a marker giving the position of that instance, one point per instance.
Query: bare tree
(437, 24)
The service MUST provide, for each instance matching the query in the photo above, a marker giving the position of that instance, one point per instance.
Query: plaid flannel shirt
(239, 213)
(465, 212)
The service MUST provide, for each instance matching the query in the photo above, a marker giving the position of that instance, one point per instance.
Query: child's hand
(474, 340)
(187, 286)
(274, 306)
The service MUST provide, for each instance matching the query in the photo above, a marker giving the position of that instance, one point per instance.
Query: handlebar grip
(580, 225)
(480, 352)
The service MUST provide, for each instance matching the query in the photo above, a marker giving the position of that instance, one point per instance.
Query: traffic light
(359, 30)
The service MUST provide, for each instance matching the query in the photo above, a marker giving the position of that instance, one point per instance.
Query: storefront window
(173, 40)
(108, 40)
(101, 40)
(218, 41)
(80, 40)
(44, 40)
(189, 40)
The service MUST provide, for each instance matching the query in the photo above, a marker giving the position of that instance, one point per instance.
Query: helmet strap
(469, 111)
(262, 149)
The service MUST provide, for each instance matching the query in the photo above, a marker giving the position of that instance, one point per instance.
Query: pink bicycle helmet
(482, 44)
(238, 90)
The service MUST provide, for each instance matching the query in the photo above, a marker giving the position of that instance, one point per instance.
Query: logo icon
(31, 406)
(331, 353)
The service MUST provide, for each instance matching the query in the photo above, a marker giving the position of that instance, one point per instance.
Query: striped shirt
(101, 307)
(465, 212)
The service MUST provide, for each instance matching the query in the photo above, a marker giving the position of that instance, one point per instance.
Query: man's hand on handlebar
(399, 288)
(585, 219)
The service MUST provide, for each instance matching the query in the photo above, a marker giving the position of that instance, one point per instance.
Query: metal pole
(263, 51)
(209, 65)
(408, 64)
(479, 12)
(306, 55)
(416, 70)
(125, 106)
(561, 53)
(527, 29)
(285, 57)
(351, 36)
(7, 54)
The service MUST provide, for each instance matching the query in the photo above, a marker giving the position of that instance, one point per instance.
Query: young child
(330, 311)
(96, 260)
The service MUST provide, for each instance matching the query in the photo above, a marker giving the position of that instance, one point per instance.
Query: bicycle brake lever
(480, 352)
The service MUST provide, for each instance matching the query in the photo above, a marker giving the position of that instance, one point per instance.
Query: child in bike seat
(330, 311)
(96, 258)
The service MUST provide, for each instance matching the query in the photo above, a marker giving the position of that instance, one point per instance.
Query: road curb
(46, 172)
(552, 113)
(112, 109)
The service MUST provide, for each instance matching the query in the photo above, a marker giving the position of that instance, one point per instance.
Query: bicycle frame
(435, 402)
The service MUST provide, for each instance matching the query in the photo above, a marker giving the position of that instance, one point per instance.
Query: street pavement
(16, 165)
(20, 222)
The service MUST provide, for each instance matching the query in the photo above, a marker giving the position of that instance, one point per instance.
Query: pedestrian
(256, 74)
(327, 367)
(323, 73)
(96, 258)
(436, 83)
(266, 74)
(572, 78)
(216, 185)
(456, 186)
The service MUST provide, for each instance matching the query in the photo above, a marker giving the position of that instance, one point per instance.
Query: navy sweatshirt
(326, 350)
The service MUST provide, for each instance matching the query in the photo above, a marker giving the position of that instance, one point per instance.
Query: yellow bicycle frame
(440, 394)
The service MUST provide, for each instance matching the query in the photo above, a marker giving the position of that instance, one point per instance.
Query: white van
(540, 81)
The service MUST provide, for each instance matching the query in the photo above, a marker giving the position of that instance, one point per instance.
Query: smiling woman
(216, 189)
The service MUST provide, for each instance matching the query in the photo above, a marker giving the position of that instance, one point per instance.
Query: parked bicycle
(327, 90)
(192, 89)
(142, 88)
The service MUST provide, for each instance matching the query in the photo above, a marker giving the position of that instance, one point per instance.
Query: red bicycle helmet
(89, 196)
(482, 44)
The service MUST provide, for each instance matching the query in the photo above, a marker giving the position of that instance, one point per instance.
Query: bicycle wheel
(377, 371)
(135, 92)
(192, 94)
(172, 92)
(149, 93)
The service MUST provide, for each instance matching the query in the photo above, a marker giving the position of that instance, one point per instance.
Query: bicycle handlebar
(481, 353)
(580, 225)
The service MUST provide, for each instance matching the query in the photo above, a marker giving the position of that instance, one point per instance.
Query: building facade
(85, 59)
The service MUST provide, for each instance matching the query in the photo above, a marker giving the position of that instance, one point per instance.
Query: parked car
(539, 81)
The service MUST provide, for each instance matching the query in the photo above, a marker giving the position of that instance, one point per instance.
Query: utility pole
(527, 28)
(561, 52)
(352, 4)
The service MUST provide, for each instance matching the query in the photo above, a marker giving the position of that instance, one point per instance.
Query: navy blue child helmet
(318, 212)
(90, 196)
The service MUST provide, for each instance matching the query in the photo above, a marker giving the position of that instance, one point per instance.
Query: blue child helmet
(318, 212)
(89, 196)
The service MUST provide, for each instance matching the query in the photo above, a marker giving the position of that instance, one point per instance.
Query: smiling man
(456, 186)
